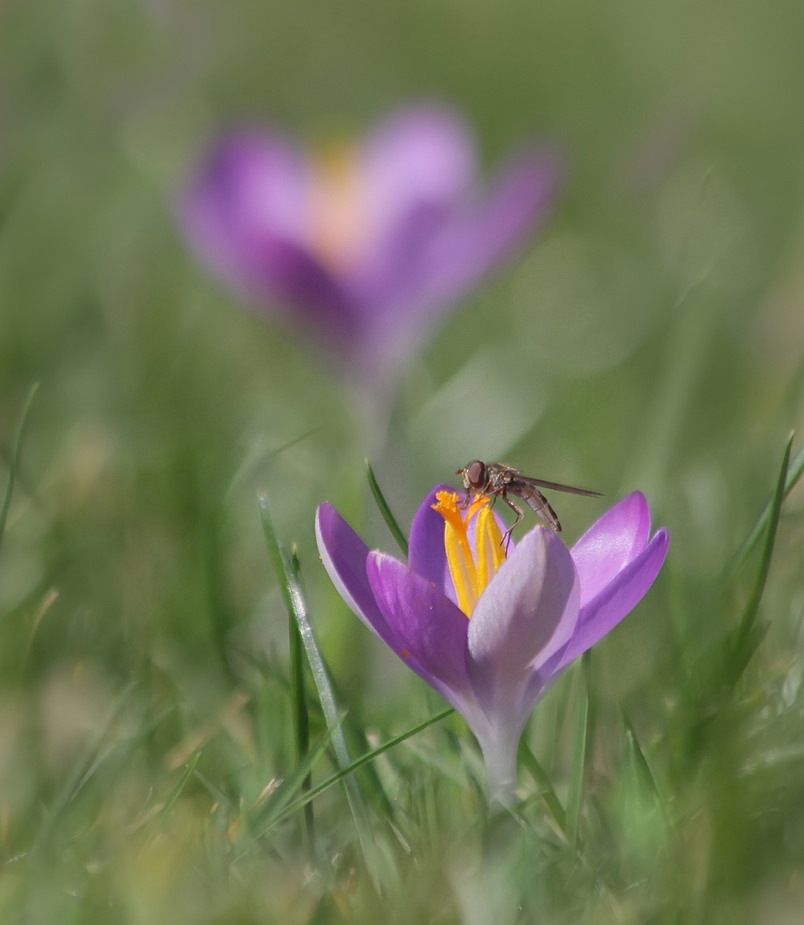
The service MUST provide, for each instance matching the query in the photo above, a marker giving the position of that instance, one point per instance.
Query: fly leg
(519, 515)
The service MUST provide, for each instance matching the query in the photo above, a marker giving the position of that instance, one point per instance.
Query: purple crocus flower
(363, 246)
(491, 629)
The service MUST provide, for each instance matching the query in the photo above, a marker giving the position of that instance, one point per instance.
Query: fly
(496, 480)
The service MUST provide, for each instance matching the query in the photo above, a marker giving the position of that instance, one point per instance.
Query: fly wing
(536, 501)
(557, 486)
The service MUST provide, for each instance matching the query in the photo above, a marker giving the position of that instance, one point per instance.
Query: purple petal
(430, 628)
(611, 543)
(516, 206)
(345, 557)
(426, 554)
(457, 254)
(417, 169)
(244, 213)
(485, 234)
(420, 159)
(256, 179)
(526, 614)
(614, 602)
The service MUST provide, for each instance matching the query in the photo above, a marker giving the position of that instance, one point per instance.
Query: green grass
(193, 728)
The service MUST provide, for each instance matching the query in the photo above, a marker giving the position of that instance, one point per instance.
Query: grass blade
(385, 510)
(278, 806)
(293, 441)
(642, 769)
(301, 721)
(794, 472)
(85, 767)
(288, 578)
(14, 463)
(580, 752)
(748, 634)
(360, 762)
(548, 793)
(175, 793)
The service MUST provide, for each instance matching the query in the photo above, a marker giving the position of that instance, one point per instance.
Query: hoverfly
(496, 480)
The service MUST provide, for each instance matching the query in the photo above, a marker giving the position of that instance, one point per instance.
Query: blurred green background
(651, 337)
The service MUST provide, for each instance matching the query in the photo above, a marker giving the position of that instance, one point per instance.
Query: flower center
(472, 558)
(337, 208)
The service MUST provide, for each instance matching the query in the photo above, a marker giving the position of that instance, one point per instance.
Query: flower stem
(499, 755)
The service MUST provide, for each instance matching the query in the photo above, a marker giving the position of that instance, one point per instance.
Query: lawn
(194, 726)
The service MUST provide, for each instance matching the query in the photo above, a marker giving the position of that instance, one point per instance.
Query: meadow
(193, 725)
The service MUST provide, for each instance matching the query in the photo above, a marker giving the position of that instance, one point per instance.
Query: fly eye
(476, 473)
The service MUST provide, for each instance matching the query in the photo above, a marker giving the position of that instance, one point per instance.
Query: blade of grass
(385, 510)
(642, 769)
(213, 547)
(371, 784)
(197, 738)
(580, 753)
(293, 441)
(220, 618)
(14, 463)
(90, 759)
(220, 797)
(794, 472)
(278, 806)
(748, 634)
(548, 793)
(177, 790)
(301, 721)
(288, 579)
(358, 763)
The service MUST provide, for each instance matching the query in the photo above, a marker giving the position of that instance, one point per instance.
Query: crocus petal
(426, 554)
(518, 203)
(457, 255)
(417, 170)
(430, 628)
(345, 557)
(615, 601)
(483, 234)
(526, 614)
(613, 541)
(244, 214)
(256, 179)
(421, 158)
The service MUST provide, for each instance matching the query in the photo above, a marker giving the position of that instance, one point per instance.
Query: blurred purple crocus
(491, 629)
(362, 246)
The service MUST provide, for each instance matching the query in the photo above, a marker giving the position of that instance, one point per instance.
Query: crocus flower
(491, 625)
(363, 246)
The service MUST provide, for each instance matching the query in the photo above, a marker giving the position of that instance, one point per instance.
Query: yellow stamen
(489, 544)
(337, 209)
(470, 572)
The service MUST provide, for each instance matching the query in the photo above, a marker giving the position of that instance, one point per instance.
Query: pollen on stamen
(449, 505)
(446, 504)
(470, 568)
